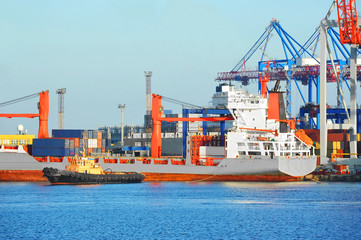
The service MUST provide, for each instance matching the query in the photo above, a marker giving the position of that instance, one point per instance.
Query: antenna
(61, 93)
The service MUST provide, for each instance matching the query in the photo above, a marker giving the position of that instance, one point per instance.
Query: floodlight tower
(61, 92)
(122, 107)
(148, 76)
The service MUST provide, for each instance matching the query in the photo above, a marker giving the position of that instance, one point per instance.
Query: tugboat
(87, 171)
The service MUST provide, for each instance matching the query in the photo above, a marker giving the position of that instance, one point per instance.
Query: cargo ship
(262, 145)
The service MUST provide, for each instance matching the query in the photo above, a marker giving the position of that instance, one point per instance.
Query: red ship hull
(37, 176)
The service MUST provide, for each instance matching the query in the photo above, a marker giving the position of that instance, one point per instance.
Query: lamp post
(122, 106)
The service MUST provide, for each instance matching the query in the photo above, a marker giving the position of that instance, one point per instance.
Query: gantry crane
(349, 34)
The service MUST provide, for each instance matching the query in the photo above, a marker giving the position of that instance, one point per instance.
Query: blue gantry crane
(300, 65)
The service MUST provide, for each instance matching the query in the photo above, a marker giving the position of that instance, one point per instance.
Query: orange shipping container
(340, 167)
(99, 143)
(103, 150)
(99, 135)
(90, 150)
(76, 142)
(340, 153)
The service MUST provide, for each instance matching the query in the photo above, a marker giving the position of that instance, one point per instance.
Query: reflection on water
(265, 185)
(232, 210)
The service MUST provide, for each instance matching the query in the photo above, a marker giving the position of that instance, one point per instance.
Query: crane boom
(43, 114)
(347, 21)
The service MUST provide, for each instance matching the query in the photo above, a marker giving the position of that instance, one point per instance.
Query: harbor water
(300, 210)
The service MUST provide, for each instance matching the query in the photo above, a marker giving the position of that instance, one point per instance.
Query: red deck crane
(157, 111)
(43, 114)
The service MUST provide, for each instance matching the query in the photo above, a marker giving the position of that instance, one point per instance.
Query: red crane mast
(347, 21)
(43, 114)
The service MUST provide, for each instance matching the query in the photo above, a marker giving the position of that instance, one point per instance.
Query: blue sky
(99, 50)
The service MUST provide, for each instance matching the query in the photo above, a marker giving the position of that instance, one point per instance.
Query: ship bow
(297, 167)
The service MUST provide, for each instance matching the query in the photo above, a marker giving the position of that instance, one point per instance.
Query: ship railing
(278, 149)
(334, 156)
(287, 148)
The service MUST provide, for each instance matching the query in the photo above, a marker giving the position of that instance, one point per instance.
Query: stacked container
(338, 142)
(89, 141)
(43, 147)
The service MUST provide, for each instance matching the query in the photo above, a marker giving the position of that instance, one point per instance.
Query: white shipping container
(92, 143)
(307, 62)
(137, 135)
(215, 152)
(169, 135)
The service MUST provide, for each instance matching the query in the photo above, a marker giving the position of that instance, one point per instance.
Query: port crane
(349, 34)
(157, 111)
(347, 21)
(299, 66)
(43, 115)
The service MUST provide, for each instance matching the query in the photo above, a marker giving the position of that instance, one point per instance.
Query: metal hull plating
(23, 167)
(17, 165)
(257, 168)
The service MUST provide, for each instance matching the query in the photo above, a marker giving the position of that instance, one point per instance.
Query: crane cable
(181, 103)
(19, 100)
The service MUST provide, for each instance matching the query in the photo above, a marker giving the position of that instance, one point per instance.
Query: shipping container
(68, 133)
(99, 135)
(51, 143)
(99, 143)
(76, 142)
(73, 142)
(92, 143)
(90, 133)
(86, 133)
(137, 135)
(53, 152)
(72, 151)
(108, 142)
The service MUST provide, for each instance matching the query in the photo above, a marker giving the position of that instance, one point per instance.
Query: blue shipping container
(133, 148)
(71, 151)
(108, 143)
(51, 152)
(68, 133)
(50, 143)
(90, 133)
